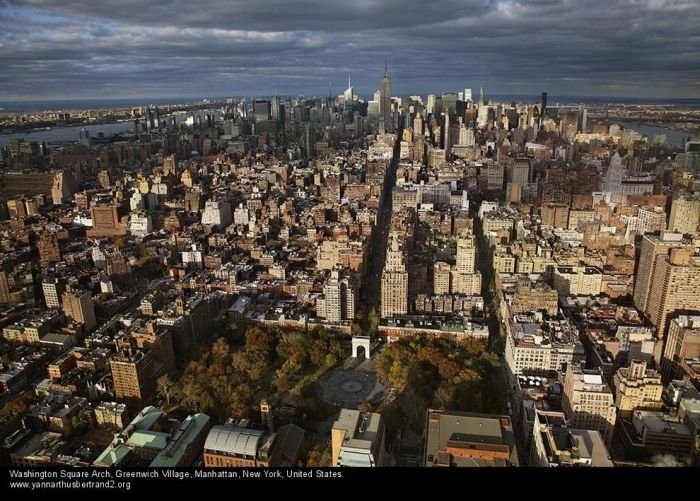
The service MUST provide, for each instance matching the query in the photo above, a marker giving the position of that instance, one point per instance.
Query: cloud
(171, 48)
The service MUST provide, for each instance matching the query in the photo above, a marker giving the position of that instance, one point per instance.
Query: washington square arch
(360, 342)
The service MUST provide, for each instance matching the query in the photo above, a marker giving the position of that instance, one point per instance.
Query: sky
(78, 49)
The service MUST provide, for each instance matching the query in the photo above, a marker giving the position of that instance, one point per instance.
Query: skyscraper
(430, 106)
(348, 102)
(468, 96)
(543, 111)
(261, 110)
(447, 134)
(275, 108)
(385, 111)
(482, 116)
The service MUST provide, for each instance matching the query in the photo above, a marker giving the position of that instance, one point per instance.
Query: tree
(220, 349)
(241, 400)
(165, 387)
(398, 375)
(282, 382)
(444, 395)
(330, 360)
(365, 406)
(206, 402)
(373, 322)
(317, 456)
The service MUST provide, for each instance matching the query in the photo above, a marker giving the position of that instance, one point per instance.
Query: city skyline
(60, 50)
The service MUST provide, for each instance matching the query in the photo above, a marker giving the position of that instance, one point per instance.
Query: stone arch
(361, 342)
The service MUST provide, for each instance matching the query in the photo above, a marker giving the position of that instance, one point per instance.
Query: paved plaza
(350, 387)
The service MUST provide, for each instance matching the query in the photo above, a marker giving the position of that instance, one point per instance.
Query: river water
(673, 137)
(72, 133)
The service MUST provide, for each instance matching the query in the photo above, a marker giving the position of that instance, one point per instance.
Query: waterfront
(72, 133)
(66, 134)
(673, 137)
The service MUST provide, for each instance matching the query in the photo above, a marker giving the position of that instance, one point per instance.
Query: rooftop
(362, 428)
(233, 440)
(180, 441)
(480, 431)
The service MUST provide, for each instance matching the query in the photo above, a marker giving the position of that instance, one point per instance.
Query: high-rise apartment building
(134, 375)
(338, 300)
(651, 219)
(682, 342)
(48, 247)
(394, 293)
(555, 215)
(53, 290)
(685, 213)
(4, 288)
(465, 279)
(106, 221)
(637, 387)
(652, 246)
(588, 402)
(217, 212)
(519, 172)
(674, 287)
(77, 305)
(441, 278)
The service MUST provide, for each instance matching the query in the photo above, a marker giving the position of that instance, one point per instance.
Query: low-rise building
(655, 432)
(465, 439)
(357, 439)
(555, 444)
(234, 445)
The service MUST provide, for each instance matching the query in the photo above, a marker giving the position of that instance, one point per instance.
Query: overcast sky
(78, 49)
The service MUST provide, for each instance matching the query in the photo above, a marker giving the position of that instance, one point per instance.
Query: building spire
(349, 85)
(386, 70)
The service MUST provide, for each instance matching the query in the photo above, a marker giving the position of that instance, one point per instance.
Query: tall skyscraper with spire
(482, 116)
(349, 104)
(385, 113)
